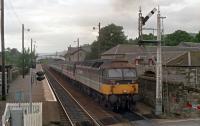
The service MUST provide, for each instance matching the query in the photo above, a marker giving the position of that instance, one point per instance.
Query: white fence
(18, 114)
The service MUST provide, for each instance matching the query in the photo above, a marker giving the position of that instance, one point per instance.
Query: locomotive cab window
(129, 73)
(120, 73)
(115, 73)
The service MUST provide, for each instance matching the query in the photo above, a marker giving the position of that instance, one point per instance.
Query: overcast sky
(55, 24)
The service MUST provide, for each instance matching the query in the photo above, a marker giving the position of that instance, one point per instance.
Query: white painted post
(158, 110)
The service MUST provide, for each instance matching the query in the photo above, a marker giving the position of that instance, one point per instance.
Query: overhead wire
(12, 8)
(14, 12)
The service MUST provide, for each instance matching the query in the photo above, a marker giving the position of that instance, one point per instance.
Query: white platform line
(54, 98)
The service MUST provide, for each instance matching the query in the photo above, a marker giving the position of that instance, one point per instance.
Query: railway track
(76, 114)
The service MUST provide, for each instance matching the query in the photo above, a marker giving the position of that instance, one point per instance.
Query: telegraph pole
(23, 51)
(3, 51)
(159, 68)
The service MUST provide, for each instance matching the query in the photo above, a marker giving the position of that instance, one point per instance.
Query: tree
(27, 60)
(109, 37)
(12, 56)
(177, 37)
(197, 37)
(149, 36)
(15, 58)
(94, 51)
(133, 41)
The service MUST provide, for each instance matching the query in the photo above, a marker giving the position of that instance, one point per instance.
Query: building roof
(183, 60)
(128, 49)
(73, 50)
(169, 53)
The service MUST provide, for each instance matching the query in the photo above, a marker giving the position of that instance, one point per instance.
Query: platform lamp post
(23, 62)
(32, 52)
(32, 75)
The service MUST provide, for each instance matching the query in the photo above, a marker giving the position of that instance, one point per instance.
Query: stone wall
(177, 92)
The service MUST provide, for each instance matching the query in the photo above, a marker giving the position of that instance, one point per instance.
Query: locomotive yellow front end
(119, 89)
(119, 83)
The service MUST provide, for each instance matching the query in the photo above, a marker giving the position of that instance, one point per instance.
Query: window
(129, 73)
(121, 73)
(115, 73)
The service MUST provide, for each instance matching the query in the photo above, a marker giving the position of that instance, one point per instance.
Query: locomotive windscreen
(114, 73)
(121, 73)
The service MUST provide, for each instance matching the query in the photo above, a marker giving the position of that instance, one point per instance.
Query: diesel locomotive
(112, 82)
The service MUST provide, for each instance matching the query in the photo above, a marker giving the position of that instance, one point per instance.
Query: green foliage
(109, 37)
(15, 58)
(12, 56)
(94, 51)
(197, 37)
(177, 37)
(149, 36)
(173, 39)
(133, 41)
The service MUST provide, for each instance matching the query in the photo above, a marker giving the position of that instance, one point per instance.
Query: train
(113, 83)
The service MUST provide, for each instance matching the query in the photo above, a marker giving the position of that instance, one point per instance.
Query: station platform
(41, 92)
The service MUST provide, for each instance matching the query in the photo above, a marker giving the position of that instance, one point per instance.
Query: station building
(74, 53)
